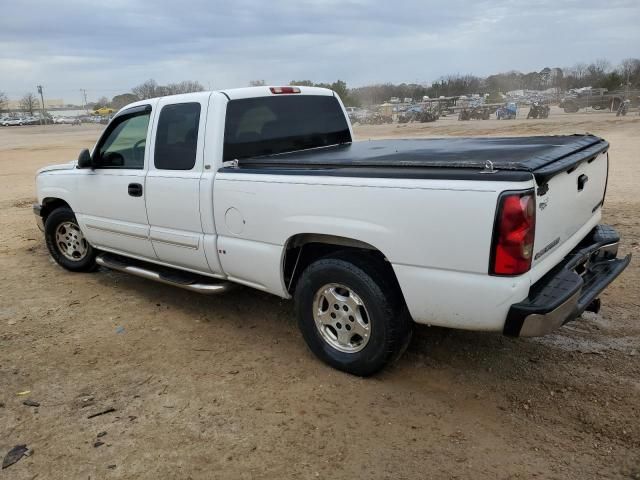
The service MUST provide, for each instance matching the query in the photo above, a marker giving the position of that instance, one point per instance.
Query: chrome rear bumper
(571, 288)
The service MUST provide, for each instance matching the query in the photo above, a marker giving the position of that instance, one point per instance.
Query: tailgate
(572, 198)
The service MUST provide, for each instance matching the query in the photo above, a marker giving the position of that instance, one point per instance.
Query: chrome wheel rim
(341, 318)
(71, 242)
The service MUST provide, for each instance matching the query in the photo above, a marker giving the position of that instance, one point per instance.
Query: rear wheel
(66, 242)
(351, 314)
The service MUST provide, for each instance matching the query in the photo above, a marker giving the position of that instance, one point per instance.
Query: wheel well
(303, 249)
(50, 204)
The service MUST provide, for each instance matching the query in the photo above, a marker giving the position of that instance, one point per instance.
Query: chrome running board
(177, 278)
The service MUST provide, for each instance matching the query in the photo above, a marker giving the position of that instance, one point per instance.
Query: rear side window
(279, 124)
(177, 137)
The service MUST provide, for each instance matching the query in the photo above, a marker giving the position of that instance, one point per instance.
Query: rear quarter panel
(436, 234)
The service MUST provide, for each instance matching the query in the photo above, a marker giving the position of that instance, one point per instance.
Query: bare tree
(630, 70)
(601, 65)
(3, 100)
(123, 99)
(301, 83)
(102, 102)
(29, 103)
(186, 86)
(545, 76)
(148, 89)
(580, 70)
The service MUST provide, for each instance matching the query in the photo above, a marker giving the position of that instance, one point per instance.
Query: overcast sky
(108, 47)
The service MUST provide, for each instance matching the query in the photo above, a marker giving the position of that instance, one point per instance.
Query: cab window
(124, 143)
(177, 137)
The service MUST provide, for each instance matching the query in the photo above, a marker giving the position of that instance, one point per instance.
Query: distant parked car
(66, 121)
(93, 119)
(11, 122)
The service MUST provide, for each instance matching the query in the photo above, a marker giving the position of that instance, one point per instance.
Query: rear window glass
(279, 124)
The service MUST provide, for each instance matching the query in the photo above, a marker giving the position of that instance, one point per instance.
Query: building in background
(48, 103)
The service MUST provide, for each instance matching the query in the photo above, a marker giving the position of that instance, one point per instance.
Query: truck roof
(236, 94)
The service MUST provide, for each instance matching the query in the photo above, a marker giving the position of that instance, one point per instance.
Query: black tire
(390, 323)
(86, 261)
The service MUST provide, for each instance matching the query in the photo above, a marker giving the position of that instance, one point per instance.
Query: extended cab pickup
(265, 187)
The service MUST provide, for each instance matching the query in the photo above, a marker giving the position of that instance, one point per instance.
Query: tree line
(149, 89)
(597, 74)
(28, 103)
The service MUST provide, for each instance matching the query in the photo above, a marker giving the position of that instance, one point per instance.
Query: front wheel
(351, 314)
(66, 242)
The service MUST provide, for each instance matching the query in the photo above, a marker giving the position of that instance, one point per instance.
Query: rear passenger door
(173, 181)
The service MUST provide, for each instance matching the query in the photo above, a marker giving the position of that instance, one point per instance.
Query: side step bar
(177, 278)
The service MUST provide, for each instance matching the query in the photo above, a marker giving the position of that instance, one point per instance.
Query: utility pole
(84, 98)
(42, 120)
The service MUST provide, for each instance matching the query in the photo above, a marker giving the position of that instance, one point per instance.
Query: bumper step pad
(567, 291)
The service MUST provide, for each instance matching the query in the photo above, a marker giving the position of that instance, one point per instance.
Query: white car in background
(10, 122)
(66, 121)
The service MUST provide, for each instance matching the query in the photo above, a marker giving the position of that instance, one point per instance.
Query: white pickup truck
(265, 187)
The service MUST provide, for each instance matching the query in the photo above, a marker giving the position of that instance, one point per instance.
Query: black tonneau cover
(541, 156)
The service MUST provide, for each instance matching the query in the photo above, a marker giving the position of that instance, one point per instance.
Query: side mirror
(84, 159)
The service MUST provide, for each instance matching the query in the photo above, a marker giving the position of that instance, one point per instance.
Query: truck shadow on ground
(271, 316)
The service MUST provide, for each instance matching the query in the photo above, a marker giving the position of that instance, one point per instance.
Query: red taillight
(513, 234)
(278, 90)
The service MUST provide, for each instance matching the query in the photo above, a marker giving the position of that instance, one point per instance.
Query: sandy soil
(225, 387)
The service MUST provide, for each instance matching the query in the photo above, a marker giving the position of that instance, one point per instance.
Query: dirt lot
(225, 387)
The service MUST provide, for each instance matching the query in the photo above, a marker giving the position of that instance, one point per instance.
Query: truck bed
(542, 156)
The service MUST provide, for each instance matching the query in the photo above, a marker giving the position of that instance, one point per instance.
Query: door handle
(582, 180)
(135, 189)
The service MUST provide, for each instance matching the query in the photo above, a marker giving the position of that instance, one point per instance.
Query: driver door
(112, 210)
